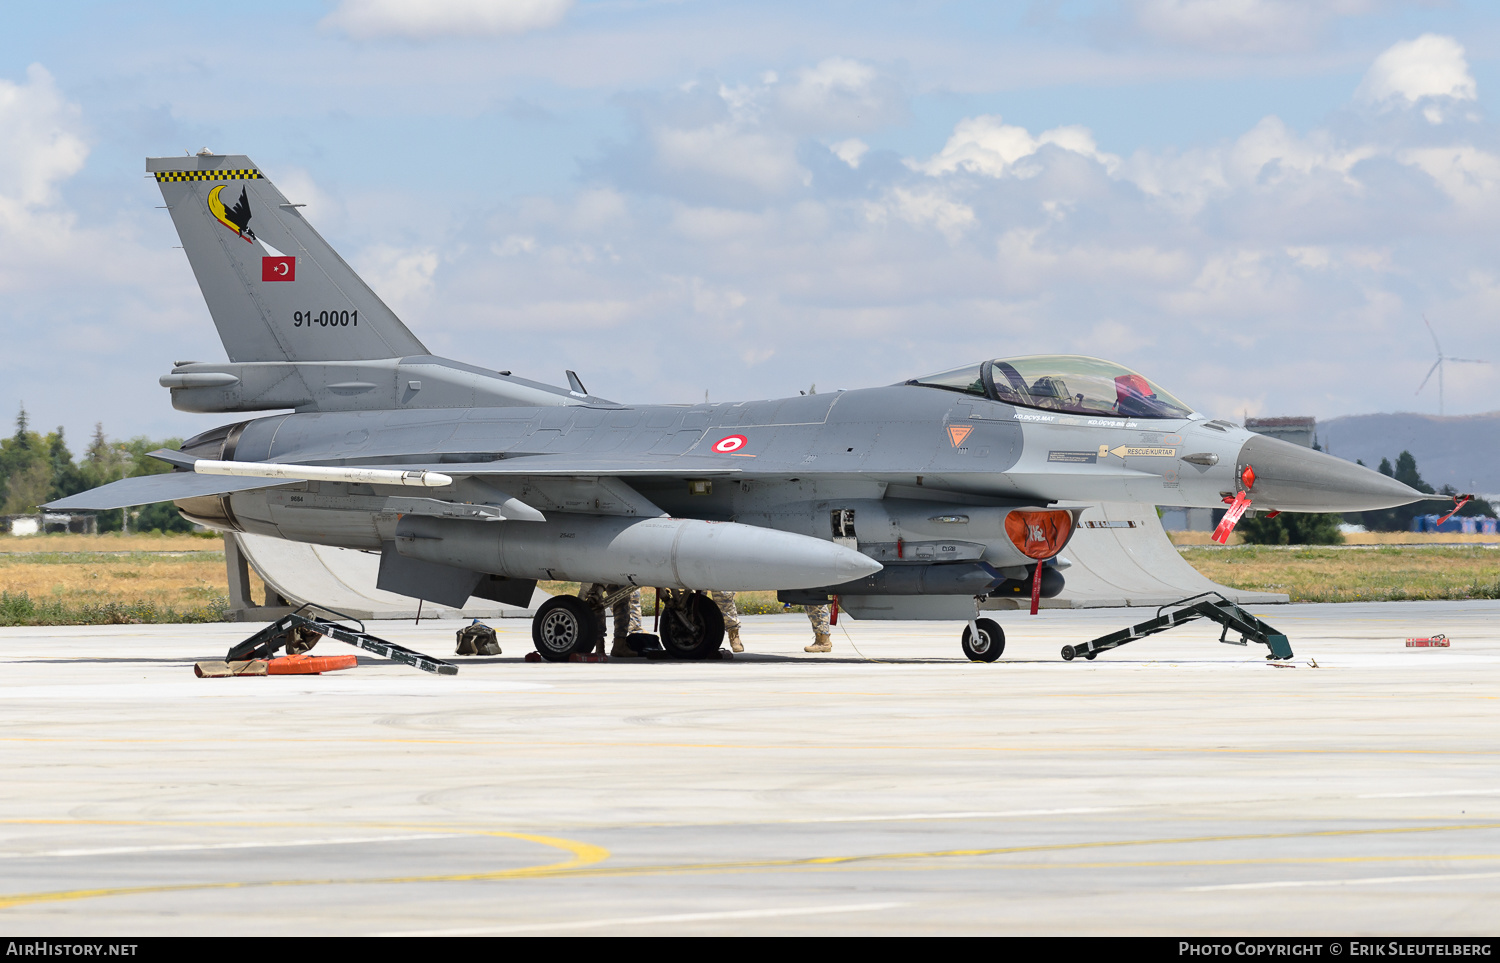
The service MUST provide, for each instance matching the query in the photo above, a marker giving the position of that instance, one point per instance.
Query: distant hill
(1458, 450)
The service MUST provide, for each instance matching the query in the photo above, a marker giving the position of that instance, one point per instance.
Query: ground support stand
(1204, 606)
(290, 629)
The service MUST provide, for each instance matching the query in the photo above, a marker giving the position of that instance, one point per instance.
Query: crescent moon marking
(216, 208)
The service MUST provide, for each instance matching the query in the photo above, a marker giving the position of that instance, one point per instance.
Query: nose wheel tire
(989, 646)
(564, 625)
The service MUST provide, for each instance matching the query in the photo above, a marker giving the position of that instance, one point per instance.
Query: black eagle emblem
(239, 215)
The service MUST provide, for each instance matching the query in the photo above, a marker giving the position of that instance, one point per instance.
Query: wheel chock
(223, 670)
(310, 664)
(590, 657)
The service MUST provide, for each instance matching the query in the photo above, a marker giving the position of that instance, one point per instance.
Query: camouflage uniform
(725, 602)
(822, 631)
(626, 613)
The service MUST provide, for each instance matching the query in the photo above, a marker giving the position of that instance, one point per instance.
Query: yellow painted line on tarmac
(859, 861)
(582, 854)
(585, 859)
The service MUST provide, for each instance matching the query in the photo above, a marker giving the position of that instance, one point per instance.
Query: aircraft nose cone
(1298, 479)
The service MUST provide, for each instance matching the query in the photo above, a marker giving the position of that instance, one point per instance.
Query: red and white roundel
(733, 443)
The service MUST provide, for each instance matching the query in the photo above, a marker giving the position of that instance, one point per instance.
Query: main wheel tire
(694, 629)
(564, 625)
(989, 646)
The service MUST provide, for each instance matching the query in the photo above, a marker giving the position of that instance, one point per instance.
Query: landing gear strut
(691, 625)
(986, 645)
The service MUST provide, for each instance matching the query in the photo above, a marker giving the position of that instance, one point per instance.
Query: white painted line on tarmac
(1363, 881)
(969, 815)
(647, 920)
(205, 847)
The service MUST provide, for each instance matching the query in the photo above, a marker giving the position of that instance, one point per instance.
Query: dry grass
(1332, 574)
(111, 542)
(165, 583)
(1357, 538)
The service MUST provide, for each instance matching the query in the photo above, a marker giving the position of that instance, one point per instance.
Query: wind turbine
(1438, 365)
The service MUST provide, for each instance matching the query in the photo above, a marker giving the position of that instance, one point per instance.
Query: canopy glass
(1059, 382)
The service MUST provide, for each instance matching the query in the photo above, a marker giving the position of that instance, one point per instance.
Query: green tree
(67, 478)
(160, 517)
(1293, 528)
(107, 461)
(25, 470)
(1398, 519)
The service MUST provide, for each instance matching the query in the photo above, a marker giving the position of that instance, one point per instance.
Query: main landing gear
(564, 625)
(690, 624)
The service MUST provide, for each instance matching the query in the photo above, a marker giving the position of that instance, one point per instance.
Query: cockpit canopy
(1062, 382)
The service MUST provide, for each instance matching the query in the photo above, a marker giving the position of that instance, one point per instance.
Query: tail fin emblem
(236, 218)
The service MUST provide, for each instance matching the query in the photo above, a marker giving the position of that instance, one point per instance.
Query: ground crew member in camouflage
(626, 615)
(822, 632)
(731, 613)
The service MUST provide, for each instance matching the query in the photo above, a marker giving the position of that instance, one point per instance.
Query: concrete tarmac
(1176, 786)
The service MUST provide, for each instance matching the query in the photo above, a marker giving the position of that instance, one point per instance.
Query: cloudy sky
(1254, 202)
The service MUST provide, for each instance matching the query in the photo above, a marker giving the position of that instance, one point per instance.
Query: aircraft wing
(579, 464)
(145, 489)
(567, 464)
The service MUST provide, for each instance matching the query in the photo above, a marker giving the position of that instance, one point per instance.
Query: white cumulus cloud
(986, 145)
(839, 94)
(1431, 66)
(42, 144)
(398, 275)
(426, 19)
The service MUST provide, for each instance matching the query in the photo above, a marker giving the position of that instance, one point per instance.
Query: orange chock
(305, 664)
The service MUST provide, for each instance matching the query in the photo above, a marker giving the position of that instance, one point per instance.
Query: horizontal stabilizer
(146, 489)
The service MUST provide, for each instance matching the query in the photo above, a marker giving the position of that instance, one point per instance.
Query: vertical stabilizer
(275, 289)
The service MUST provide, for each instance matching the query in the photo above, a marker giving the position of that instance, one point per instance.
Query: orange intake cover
(1039, 534)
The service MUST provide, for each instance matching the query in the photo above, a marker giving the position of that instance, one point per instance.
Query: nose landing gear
(983, 640)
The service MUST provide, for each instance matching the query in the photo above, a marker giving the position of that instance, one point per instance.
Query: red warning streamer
(1231, 518)
(1459, 501)
(1036, 589)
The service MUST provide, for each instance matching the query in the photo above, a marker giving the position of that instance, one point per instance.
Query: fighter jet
(914, 500)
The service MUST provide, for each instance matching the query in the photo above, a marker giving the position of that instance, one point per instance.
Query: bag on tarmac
(478, 639)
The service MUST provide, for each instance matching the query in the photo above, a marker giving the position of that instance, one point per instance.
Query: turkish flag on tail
(278, 269)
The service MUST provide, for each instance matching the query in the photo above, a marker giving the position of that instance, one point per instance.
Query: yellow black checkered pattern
(240, 175)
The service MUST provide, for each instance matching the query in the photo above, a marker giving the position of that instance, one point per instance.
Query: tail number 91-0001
(325, 319)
